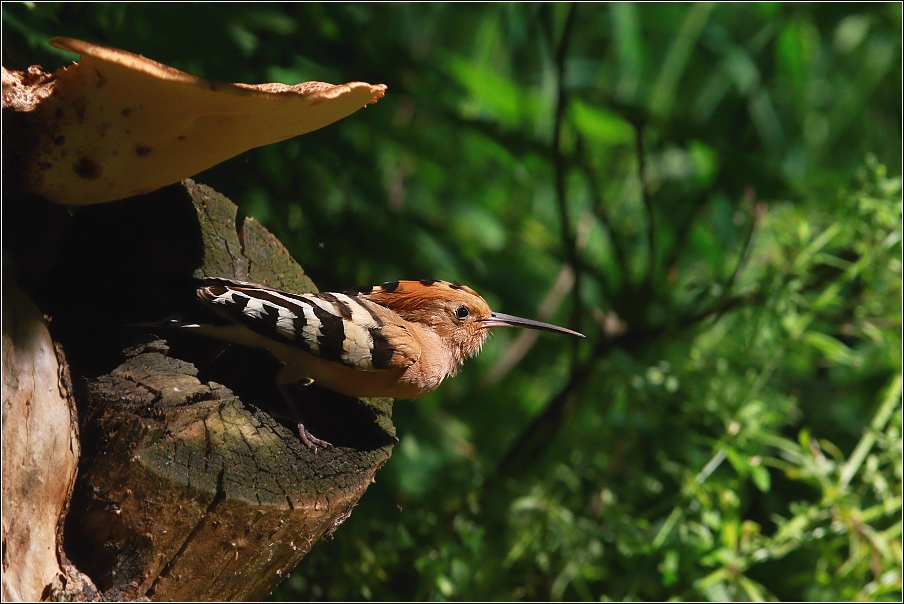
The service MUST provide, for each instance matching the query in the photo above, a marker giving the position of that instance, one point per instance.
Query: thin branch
(758, 210)
(541, 432)
(599, 210)
(528, 337)
(558, 409)
(647, 202)
(729, 283)
(532, 443)
(671, 255)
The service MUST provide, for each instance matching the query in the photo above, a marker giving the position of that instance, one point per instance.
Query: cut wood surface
(192, 495)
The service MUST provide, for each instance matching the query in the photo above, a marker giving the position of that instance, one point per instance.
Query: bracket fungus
(117, 124)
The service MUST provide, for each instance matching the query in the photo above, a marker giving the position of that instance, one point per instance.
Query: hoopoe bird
(400, 339)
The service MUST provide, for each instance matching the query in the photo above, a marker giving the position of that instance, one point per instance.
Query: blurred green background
(711, 192)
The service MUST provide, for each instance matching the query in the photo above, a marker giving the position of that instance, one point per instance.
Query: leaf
(601, 125)
(761, 478)
(833, 349)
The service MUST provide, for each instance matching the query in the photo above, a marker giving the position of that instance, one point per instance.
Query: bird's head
(454, 312)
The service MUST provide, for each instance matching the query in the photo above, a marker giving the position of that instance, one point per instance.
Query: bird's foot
(311, 441)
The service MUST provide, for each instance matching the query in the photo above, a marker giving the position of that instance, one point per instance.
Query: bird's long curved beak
(497, 319)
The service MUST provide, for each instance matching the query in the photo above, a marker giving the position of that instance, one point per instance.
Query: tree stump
(188, 489)
(40, 454)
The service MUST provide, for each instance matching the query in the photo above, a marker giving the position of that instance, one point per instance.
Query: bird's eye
(462, 312)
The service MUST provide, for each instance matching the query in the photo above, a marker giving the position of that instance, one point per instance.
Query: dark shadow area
(132, 262)
(33, 230)
(340, 420)
(126, 261)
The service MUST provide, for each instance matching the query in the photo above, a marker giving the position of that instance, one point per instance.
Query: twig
(528, 337)
(671, 256)
(745, 250)
(746, 247)
(534, 441)
(537, 437)
(603, 216)
(647, 202)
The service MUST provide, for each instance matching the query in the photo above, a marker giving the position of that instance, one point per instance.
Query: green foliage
(711, 192)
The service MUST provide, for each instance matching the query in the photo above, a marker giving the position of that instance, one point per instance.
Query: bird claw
(311, 441)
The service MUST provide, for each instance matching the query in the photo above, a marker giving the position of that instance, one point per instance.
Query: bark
(40, 453)
(188, 488)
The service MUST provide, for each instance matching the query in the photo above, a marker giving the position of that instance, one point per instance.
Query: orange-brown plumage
(438, 306)
(400, 339)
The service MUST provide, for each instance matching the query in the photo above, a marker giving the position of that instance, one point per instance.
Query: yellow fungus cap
(118, 124)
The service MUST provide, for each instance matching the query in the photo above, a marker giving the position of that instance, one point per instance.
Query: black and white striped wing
(341, 327)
